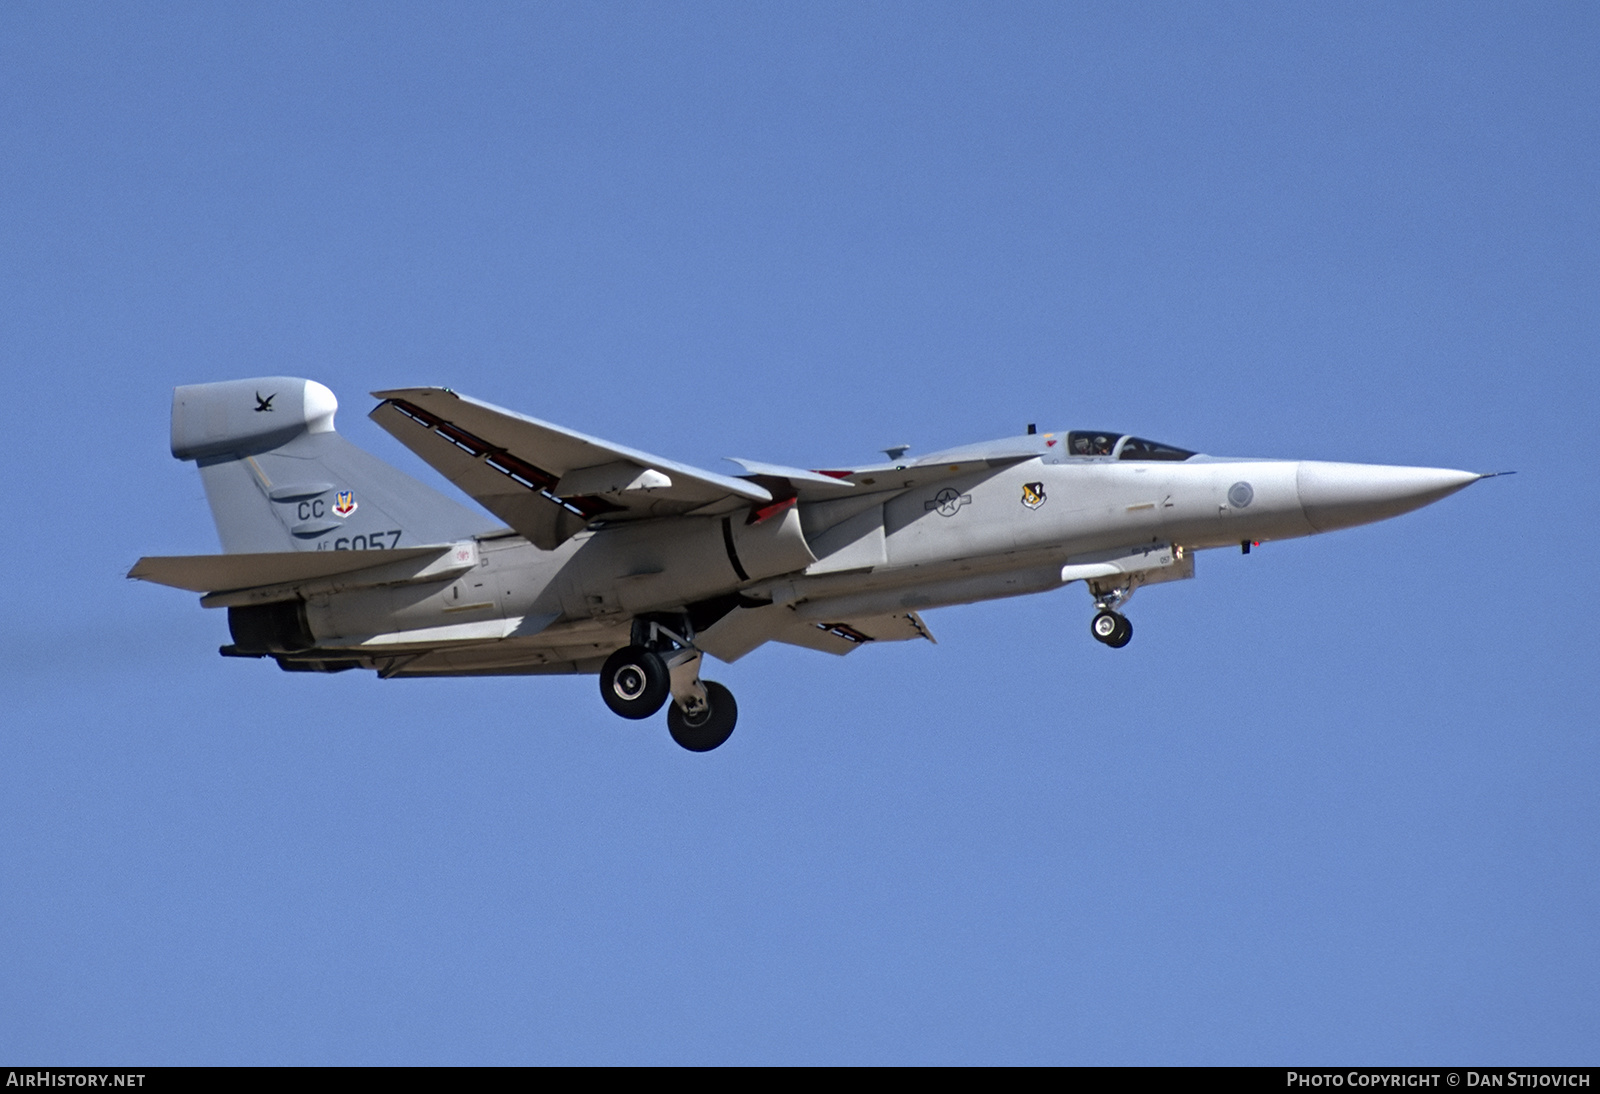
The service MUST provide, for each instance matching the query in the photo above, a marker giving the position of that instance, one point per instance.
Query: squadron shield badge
(1033, 494)
(344, 503)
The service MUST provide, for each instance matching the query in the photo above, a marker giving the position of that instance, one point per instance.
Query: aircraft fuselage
(980, 536)
(633, 566)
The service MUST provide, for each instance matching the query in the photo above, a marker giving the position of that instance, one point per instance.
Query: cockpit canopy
(1081, 442)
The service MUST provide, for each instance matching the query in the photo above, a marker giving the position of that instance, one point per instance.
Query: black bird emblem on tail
(264, 404)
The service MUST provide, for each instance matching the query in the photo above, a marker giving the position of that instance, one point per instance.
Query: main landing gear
(635, 682)
(706, 728)
(663, 664)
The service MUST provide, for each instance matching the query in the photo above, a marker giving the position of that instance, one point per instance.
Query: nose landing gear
(1112, 628)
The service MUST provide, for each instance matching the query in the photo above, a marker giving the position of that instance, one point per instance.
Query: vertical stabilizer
(279, 478)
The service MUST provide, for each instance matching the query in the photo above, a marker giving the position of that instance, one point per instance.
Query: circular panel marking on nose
(1240, 494)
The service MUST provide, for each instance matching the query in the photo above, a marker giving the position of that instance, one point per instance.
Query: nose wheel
(1112, 628)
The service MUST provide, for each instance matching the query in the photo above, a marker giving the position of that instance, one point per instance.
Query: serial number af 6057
(372, 541)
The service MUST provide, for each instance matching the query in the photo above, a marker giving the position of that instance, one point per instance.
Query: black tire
(635, 682)
(710, 729)
(1105, 627)
(1124, 634)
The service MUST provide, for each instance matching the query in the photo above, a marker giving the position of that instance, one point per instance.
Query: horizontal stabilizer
(217, 573)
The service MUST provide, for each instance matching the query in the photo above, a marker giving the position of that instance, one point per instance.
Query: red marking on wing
(771, 509)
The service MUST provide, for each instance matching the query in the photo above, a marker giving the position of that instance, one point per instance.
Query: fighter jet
(598, 558)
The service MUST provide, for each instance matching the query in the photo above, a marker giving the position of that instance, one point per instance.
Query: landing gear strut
(1112, 628)
(662, 662)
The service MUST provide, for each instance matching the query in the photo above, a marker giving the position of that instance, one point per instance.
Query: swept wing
(545, 481)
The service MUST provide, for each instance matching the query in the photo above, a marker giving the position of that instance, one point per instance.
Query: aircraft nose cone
(1342, 495)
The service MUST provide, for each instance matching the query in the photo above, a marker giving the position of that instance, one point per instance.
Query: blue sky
(1335, 804)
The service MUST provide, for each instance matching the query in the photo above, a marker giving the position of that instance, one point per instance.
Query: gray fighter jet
(604, 559)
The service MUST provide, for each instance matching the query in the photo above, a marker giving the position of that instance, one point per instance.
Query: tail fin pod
(279, 478)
